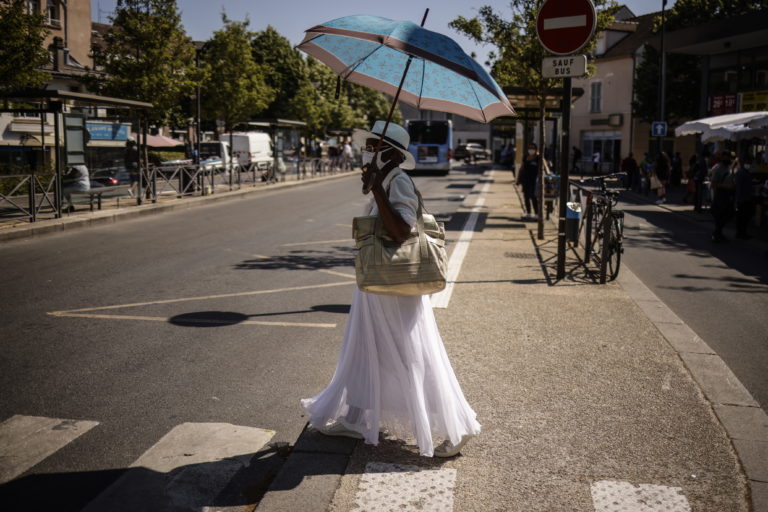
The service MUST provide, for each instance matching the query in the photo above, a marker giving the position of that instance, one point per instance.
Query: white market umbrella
(753, 119)
(732, 132)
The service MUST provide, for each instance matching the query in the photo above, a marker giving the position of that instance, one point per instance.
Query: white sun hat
(396, 136)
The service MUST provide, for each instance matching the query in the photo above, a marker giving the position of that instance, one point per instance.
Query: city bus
(431, 145)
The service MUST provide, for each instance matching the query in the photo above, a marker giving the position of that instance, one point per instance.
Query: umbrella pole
(368, 185)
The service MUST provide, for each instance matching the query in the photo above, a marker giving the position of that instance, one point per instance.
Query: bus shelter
(64, 125)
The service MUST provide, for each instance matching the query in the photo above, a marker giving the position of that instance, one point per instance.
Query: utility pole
(662, 78)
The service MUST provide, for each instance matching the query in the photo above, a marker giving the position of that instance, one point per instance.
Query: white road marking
(317, 242)
(190, 320)
(27, 440)
(204, 297)
(616, 496)
(565, 22)
(387, 487)
(443, 298)
(334, 273)
(185, 470)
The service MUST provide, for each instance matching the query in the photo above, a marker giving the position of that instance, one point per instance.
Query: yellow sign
(754, 101)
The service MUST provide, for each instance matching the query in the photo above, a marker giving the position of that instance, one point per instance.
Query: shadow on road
(303, 260)
(226, 318)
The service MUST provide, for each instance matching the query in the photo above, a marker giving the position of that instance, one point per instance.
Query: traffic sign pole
(565, 145)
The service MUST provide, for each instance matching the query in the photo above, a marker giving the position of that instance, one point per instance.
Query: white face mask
(531, 151)
(367, 157)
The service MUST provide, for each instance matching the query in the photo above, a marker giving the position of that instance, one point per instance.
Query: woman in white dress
(393, 373)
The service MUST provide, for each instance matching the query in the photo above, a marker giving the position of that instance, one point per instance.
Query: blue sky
(291, 17)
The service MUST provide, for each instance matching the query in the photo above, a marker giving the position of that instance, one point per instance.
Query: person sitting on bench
(76, 181)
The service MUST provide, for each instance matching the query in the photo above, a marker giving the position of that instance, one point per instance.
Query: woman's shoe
(338, 429)
(448, 449)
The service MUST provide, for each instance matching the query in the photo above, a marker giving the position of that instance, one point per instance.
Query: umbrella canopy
(373, 51)
(751, 119)
(732, 132)
(161, 141)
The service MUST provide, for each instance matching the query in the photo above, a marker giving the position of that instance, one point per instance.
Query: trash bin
(572, 216)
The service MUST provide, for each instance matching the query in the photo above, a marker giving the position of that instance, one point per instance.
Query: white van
(251, 148)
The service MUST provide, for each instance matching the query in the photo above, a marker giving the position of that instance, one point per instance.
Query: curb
(744, 421)
(108, 217)
(310, 475)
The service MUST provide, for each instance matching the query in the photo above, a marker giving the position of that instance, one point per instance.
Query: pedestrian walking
(744, 199)
(661, 171)
(700, 174)
(721, 185)
(595, 162)
(529, 173)
(676, 172)
(632, 172)
(393, 372)
(576, 160)
(645, 174)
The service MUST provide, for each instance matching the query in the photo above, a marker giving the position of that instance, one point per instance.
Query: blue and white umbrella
(423, 68)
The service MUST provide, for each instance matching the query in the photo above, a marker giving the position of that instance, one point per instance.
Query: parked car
(471, 153)
(111, 176)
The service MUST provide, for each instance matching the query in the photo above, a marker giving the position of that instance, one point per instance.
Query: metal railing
(28, 198)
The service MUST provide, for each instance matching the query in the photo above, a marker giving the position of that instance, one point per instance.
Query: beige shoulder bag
(417, 266)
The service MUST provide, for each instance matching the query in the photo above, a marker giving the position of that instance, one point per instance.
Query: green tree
(22, 53)
(149, 57)
(234, 89)
(306, 90)
(681, 100)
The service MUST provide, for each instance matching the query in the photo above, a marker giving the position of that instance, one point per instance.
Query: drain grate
(520, 255)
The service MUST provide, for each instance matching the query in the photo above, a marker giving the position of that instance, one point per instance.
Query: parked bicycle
(604, 229)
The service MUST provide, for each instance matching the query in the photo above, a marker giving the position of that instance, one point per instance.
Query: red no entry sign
(564, 26)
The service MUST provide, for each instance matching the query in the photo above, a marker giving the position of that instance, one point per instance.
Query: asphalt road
(719, 290)
(227, 313)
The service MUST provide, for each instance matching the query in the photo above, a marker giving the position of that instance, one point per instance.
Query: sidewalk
(583, 393)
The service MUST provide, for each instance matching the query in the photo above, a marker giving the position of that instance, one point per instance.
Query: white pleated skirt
(393, 375)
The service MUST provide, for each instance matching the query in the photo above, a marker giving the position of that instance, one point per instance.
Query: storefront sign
(722, 104)
(108, 131)
(753, 101)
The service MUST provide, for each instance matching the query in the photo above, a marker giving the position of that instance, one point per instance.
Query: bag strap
(379, 225)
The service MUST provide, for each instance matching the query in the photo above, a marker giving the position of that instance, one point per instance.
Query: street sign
(565, 26)
(561, 67)
(659, 129)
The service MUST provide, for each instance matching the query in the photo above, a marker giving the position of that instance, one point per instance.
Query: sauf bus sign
(560, 67)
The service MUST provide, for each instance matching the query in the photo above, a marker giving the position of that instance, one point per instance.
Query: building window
(596, 97)
(33, 6)
(52, 12)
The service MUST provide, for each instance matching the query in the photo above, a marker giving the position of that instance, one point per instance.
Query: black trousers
(744, 210)
(529, 195)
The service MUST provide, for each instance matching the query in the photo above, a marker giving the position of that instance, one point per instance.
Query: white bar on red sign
(565, 22)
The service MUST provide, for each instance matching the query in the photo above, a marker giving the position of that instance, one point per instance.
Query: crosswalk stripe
(386, 486)
(27, 440)
(618, 496)
(185, 470)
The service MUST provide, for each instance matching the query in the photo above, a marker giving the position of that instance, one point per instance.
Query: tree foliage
(22, 53)
(516, 60)
(149, 57)
(306, 90)
(234, 88)
(681, 100)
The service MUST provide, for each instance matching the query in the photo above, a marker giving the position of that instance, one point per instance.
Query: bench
(97, 193)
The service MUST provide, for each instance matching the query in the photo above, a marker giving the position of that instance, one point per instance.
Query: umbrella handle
(369, 183)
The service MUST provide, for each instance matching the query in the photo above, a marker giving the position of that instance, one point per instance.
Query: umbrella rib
(482, 110)
(352, 67)
(423, 74)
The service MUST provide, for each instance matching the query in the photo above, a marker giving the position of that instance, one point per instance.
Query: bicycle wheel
(614, 251)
